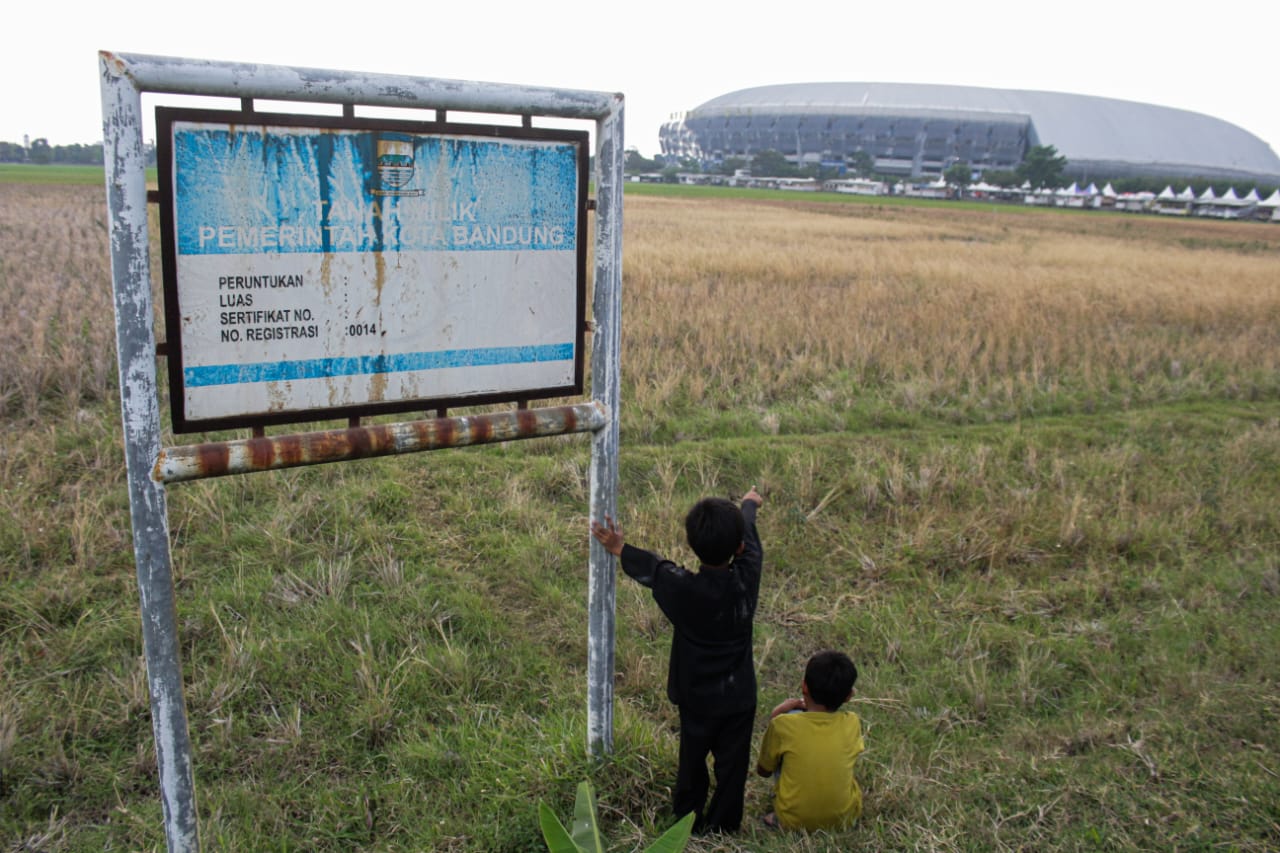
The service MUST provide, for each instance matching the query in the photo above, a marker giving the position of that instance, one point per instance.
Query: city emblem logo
(395, 165)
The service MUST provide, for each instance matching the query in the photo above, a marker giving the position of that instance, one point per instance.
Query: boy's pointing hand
(753, 496)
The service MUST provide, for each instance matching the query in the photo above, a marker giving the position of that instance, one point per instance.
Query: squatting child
(812, 746)
(711, 675)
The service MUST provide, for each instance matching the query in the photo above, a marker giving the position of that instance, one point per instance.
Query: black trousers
(728, 739)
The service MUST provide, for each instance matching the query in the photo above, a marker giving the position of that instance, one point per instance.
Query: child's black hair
(715, 528)
(829, 676)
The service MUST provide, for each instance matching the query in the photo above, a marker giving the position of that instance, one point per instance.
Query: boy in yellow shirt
(814, 752)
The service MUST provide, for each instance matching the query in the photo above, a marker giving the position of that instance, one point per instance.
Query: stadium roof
(1125, 137)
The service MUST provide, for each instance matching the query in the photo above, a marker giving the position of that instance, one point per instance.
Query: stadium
(921, 129)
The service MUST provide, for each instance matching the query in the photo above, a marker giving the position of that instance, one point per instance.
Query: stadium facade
(921, 129)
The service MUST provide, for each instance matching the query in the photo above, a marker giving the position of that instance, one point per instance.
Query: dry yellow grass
(760, 303)
(57, 339)
(743, 303)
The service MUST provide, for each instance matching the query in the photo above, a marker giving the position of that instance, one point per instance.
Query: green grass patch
(66, 174)
(27, 173)
(1064, 629)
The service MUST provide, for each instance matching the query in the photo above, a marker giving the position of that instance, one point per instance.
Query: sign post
(296, 337)
(606, 379)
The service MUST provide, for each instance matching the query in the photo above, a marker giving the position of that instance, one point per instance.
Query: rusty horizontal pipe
(268, 453)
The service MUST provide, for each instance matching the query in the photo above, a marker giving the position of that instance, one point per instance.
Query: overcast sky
(1218, 58)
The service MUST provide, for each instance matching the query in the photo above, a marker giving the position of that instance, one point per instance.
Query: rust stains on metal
(116, 65)
(218, 459)
(443, 430)
(526, 419)
(262, 451)
(481, 430)
(214, 456)
(363, 442)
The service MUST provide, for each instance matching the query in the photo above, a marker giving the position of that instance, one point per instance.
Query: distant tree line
(1042, 166)
(42, 153)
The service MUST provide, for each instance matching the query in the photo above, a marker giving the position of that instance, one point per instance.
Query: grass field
(29, 173)
(1020, 465)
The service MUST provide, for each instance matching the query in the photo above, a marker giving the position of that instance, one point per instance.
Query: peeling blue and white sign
(365, 268)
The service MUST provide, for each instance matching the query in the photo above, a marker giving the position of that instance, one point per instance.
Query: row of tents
(1229, 205)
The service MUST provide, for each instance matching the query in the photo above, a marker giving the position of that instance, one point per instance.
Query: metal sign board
(319, 267)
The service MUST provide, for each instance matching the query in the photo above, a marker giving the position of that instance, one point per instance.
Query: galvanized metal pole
(140, 407)
(606, 377)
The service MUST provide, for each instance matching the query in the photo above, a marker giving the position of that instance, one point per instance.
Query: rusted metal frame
(140, 408)
(270, 453)
(606, 378)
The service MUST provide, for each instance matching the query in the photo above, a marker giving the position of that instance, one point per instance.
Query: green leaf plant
(585, 837)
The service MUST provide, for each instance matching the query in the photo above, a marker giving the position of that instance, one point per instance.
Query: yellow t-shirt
(816, 752)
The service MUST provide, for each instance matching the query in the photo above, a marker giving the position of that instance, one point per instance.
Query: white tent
(1253, 197)
(1166, 194)
(1187, 195)
(1067, 196)
(1207, 195)
(1272, 203)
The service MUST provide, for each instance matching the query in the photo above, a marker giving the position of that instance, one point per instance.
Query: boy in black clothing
(711, 677)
